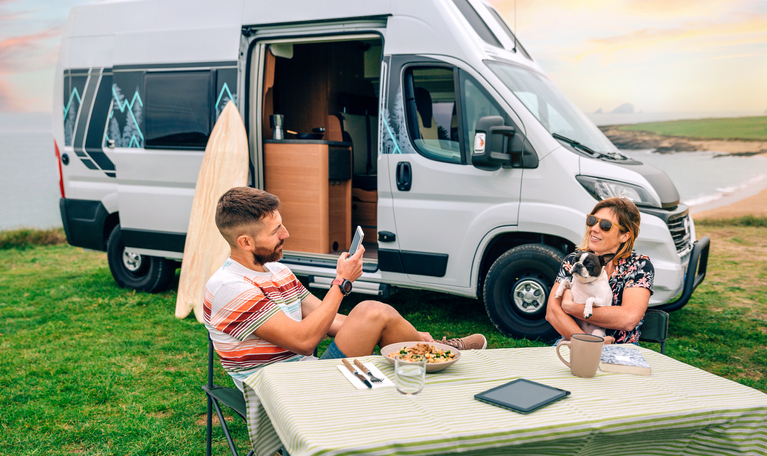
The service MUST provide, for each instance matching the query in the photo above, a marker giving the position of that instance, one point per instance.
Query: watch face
(347, 287)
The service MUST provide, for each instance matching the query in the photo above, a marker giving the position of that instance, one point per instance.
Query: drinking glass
(409, 376)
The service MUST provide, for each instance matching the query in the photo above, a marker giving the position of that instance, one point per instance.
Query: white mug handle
(559, 344)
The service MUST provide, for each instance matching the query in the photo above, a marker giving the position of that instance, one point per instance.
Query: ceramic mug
(585, 354)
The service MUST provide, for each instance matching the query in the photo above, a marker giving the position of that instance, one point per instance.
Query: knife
(354, 371)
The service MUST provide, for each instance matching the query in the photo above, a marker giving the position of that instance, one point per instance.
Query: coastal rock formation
(625, 108)
(629, 140)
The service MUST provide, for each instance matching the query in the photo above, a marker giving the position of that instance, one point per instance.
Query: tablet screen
(521, 395)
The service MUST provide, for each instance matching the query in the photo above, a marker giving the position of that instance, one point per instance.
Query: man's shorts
(333, 352)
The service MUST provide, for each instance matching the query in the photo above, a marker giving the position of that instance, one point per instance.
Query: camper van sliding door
(438, 198)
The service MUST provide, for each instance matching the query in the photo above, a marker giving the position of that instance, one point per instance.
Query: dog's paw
(594, 301)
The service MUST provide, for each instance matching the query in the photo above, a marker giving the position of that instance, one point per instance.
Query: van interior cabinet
(312, 178)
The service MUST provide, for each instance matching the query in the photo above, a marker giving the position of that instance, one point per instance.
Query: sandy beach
(755, 205)
(666, 144)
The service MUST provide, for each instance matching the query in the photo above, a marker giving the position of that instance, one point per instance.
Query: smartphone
(358, 236)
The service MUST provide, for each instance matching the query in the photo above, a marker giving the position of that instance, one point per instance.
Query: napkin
(358, 383)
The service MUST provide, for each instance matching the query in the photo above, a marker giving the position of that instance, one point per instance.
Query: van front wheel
(517, 288)
(140, 272)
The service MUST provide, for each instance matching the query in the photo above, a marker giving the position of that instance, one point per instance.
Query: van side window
(178, 109)
(431, 113)
(476, 103)
(476, 22)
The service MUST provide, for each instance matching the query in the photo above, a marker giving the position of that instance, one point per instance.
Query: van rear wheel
(517, 288)
(132, 270)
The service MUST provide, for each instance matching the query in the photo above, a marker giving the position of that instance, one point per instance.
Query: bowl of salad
(438, 356)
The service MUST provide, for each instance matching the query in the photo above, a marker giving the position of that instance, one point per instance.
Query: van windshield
(550, 107)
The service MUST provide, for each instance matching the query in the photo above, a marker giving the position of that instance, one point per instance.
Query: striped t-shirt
(237, 301)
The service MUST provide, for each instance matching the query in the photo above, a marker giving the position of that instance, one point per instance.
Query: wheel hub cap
(529, 296)
(132, 261)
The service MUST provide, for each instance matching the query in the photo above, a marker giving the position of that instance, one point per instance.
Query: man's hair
(240, 211)
(628, 218)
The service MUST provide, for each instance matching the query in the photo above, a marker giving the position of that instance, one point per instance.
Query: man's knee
(375, 311)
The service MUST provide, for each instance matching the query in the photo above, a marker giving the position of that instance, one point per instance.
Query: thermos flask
(276, 121)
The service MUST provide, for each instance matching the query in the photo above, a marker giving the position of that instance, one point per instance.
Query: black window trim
(507, 120)
(480, 27)
(407, 91)
(212, 79)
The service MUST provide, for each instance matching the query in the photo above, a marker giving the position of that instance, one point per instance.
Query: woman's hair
(628, 218)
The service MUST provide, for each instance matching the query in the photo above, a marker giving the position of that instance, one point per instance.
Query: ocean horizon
(29, 177)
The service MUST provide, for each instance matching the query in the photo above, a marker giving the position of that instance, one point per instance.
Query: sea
(29, 177)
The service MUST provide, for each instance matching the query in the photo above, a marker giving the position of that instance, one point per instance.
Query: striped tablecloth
(678, 410)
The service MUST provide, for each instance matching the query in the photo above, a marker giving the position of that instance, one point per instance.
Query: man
(258, 313)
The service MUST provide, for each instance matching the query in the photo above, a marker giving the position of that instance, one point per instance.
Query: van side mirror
(494, 144)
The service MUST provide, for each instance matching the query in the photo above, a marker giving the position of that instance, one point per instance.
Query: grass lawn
(90, 368)
(726, 128)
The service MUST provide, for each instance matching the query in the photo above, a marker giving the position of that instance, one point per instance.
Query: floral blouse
(634, 271)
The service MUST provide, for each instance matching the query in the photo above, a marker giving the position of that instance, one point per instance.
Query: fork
(364, 369)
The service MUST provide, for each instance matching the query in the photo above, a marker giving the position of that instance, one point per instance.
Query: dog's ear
(604, 259)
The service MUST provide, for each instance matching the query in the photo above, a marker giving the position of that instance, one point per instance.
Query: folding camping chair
(655, 328)
(231, 397)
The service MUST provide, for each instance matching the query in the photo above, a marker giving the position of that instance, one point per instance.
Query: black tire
(140, 272)
(526, 273)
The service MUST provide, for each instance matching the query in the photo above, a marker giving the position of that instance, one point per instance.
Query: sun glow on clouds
(659, 55)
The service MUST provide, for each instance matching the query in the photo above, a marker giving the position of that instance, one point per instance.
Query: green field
(751, 128)
(90, 368)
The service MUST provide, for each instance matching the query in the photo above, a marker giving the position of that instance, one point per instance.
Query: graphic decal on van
(131, 113)
(70, 114)
(395, 127)
(226, 88)
(74, 87)
(223, 98)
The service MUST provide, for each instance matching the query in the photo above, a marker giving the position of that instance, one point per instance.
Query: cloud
(9, 101)
(665, 9)
(697, 36)
(27, 52)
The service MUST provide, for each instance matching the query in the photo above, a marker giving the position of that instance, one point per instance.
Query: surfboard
(224, 166)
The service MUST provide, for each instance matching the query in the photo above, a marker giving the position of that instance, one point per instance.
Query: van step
(370, 288)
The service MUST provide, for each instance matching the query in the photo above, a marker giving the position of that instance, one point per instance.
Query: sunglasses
(604, 225)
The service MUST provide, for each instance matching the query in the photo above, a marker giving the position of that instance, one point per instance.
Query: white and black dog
(590, 286)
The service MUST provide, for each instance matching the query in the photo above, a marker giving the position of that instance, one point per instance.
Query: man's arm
(310, 303)
(303, 336)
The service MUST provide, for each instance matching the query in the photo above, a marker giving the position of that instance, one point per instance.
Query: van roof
(168, 31)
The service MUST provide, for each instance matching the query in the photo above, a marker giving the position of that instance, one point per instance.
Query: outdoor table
(677, 410)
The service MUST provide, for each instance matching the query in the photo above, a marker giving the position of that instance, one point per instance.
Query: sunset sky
(658, 55)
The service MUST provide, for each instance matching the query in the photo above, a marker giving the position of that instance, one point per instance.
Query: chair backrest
(655, 327)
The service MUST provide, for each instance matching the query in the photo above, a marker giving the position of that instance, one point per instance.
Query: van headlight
(601, 189)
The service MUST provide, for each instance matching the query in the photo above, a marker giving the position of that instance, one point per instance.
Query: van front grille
(679, 226)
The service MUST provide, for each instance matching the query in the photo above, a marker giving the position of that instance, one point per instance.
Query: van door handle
(404, 176)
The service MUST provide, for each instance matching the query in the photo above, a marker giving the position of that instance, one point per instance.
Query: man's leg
(373, 323)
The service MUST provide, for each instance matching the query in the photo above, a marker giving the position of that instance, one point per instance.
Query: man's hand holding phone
(353, 258)
(350, 267)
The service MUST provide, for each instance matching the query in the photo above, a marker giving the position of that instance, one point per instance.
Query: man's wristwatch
(344, 285)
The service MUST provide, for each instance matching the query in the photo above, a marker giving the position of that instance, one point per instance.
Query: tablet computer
(521, 395)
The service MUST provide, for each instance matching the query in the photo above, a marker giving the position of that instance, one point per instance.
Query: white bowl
(430, 367)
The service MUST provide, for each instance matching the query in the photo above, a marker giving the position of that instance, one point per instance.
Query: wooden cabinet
(313, 181)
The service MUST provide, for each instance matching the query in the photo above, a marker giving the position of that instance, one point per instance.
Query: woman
(611, 227)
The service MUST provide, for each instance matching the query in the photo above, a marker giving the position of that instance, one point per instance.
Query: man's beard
(262, 255)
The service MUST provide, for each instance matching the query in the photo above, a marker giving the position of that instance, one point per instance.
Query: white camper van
(426, 123)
